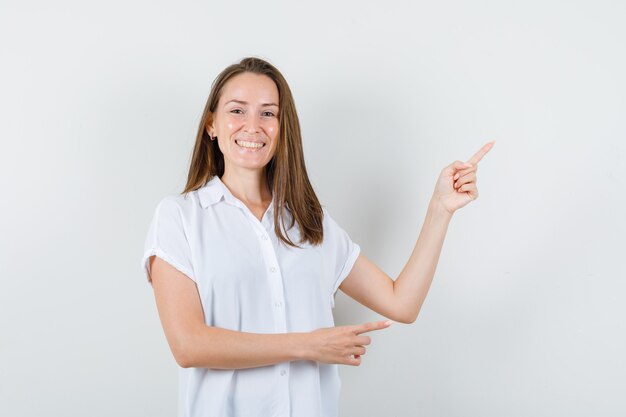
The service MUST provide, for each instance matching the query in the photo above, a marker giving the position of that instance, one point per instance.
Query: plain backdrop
(100, 104)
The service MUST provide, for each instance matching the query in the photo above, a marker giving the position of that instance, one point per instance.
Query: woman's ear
(208, 126)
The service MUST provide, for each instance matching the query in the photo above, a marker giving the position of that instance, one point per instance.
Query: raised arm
(402, 299)
(194, 344)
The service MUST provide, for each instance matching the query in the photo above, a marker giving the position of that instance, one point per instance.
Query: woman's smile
(249, 146)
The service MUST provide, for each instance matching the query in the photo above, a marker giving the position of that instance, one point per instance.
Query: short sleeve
(167, 239)
(343, 252)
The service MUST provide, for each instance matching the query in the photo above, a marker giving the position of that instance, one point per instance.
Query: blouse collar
(215, 191)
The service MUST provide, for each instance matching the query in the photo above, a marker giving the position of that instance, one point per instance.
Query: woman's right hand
(342, 344)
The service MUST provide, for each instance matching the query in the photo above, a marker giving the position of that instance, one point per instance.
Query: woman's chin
(247, 163)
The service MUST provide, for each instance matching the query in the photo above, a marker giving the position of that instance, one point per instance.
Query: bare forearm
(413, 283)
(213, 347)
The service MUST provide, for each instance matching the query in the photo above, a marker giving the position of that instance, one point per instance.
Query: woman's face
(246, 121)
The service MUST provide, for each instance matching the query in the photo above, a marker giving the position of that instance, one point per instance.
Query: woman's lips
(250, 148)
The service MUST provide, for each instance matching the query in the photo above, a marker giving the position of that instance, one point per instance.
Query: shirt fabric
(249, 282)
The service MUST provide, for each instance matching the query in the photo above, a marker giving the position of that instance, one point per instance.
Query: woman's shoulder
(330, 225)
(326, 217)
(184, 204)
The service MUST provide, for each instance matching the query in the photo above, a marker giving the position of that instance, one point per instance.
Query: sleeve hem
(347, 267)
(145, 264)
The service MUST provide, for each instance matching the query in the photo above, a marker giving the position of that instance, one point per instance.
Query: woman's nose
(252, 124)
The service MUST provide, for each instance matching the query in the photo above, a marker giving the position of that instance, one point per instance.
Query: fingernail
(388, 322)
(456, 176)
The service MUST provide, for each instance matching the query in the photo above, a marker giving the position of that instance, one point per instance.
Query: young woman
(245, 263)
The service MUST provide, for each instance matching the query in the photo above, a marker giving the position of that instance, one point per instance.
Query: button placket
(274, 276)
(275, 281)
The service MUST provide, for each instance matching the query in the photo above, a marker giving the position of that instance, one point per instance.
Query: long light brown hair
(285, 173)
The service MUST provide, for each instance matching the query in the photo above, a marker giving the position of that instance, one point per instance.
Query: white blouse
(249, 282)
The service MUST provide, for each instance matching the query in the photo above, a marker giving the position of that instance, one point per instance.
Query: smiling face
(246, 121)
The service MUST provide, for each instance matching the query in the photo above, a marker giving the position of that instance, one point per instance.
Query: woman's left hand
(456, 185)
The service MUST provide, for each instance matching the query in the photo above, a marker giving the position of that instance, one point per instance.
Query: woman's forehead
(250, 88)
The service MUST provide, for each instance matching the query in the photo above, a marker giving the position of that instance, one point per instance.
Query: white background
(100, 103)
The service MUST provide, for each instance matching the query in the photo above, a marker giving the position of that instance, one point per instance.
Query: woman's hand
(341, 344)
(456, 185)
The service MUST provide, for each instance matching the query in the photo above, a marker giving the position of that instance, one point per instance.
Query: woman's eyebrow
(245, 102)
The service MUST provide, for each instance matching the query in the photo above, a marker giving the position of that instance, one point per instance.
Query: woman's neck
(248, 186)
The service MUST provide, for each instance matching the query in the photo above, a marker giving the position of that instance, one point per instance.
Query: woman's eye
(268, 113)
(235, 110)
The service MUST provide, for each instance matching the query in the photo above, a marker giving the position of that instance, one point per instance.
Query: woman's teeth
(252, 145)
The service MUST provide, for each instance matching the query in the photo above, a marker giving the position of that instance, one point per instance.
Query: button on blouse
(249, 281)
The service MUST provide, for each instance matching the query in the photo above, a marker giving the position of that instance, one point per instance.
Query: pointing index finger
(482, 152)
(368, 327)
